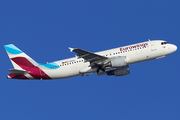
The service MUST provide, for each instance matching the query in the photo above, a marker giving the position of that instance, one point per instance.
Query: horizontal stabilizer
(18, 72)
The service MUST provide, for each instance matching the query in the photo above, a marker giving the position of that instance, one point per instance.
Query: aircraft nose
(174, 48)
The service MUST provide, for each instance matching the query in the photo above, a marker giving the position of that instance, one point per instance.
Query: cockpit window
(163, 43)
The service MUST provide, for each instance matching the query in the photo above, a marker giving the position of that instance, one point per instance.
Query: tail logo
(23, 62)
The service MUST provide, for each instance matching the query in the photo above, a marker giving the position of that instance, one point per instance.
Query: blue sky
(45, 29)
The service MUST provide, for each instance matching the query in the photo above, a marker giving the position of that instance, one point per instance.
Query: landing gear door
(153, 46)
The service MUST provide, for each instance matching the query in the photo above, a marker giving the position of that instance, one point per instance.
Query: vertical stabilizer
(18, 58)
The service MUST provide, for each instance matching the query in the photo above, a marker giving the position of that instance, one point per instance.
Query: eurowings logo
(134, 46)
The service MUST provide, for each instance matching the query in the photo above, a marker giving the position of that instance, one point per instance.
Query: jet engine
(120, 71)
(117, 62)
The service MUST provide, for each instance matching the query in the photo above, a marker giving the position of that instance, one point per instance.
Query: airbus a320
(110, 62)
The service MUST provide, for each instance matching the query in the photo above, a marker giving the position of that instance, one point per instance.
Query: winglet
(71, 49)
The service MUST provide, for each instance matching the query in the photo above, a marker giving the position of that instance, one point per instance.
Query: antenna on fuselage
(149, 39)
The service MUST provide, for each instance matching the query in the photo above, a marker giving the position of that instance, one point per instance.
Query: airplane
(110, 62)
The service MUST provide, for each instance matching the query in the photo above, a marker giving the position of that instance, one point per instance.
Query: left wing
(93, 58)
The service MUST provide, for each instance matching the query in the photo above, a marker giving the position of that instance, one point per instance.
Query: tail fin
(19, 59)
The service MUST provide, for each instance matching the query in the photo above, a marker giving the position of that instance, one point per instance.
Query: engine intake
(120, 71)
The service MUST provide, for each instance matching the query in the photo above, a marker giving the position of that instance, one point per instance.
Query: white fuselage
(135, 53)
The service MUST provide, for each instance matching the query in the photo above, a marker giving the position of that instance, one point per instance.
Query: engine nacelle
(120, 71)
(118, 62)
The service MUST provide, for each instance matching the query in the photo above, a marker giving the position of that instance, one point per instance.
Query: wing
(93, 58)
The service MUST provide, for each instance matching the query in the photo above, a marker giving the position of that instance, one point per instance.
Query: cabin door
(153, 46)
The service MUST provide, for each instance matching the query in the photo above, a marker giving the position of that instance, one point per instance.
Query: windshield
(163, 43)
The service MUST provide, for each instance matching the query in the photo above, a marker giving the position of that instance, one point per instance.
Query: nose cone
(174, 48)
